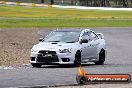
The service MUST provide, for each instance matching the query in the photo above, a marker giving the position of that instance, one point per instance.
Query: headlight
(33, 50)
(65, 50)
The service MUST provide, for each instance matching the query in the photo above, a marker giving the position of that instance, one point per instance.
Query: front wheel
(101, 58)
(36, 65)
(77, 61)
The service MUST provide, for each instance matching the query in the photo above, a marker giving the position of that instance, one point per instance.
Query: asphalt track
(119, 60)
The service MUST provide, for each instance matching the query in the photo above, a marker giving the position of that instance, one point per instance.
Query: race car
(69, 46)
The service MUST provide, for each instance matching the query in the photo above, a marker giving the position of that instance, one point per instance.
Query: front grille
(47, 56)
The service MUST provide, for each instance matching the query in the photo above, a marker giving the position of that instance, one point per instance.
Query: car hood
(54, 46)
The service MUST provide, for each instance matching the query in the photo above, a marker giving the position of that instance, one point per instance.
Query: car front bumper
(58, 58)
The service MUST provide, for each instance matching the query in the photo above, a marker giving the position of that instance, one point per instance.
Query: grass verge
(58, 23)
(30, 17)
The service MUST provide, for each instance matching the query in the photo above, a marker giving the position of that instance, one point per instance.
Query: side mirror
(40, 39)
(84, 41)
(100, 35)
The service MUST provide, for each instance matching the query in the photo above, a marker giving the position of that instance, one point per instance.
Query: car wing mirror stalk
(40, 39)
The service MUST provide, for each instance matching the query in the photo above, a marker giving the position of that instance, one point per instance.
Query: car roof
(70, 30)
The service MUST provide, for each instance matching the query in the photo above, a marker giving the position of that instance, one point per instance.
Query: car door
(93, 46)
(85, 47)
(89, 50)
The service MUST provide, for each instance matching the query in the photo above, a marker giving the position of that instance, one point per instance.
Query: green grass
(30, 23)
(27, 17)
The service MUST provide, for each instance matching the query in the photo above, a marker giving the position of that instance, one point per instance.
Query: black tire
(36, 65)
(77, 61)
(101, 57)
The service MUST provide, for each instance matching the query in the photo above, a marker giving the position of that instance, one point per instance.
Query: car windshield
(67, 37)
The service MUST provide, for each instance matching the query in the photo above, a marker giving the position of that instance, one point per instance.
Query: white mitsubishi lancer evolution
(69, 46)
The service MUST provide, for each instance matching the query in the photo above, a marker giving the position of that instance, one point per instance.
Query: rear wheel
(77, 61)
(36, 65)
(101, 58)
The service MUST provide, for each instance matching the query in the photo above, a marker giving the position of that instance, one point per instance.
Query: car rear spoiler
(100, 35)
